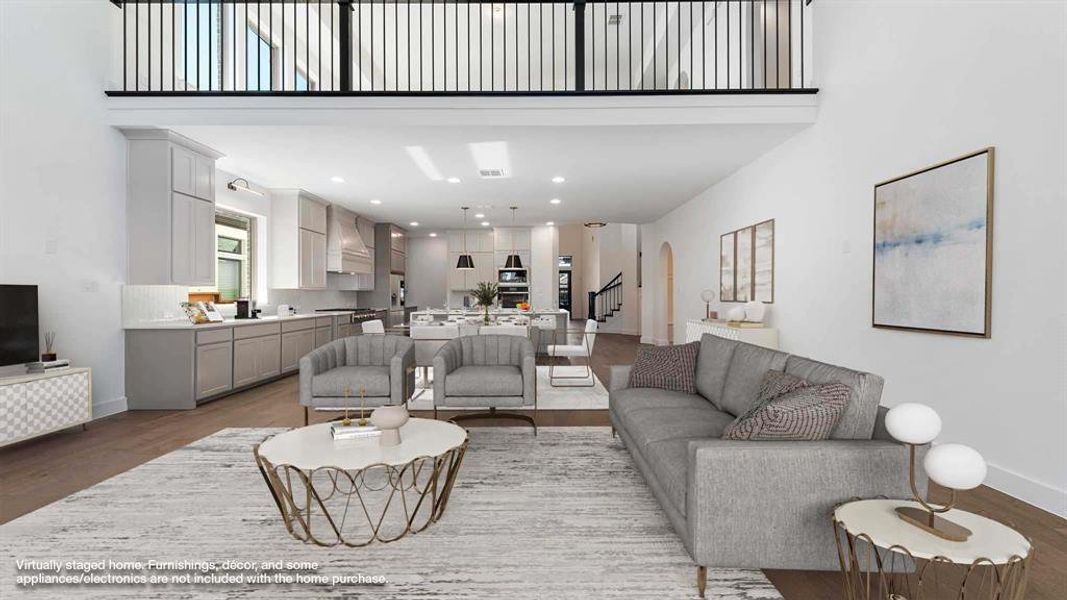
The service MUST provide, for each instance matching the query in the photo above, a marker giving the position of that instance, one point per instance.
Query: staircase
(608, 301)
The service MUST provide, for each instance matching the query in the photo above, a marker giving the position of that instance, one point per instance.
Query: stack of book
(48, 366)
(352, 431)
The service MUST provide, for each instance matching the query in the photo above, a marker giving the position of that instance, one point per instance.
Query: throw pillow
(791, 409)
(667, 368)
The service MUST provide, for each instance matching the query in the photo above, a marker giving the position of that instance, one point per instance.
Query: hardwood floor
(39, 472)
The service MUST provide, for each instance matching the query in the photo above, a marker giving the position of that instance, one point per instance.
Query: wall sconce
(241, 185)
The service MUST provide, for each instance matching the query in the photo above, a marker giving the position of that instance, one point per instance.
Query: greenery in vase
(485, 295)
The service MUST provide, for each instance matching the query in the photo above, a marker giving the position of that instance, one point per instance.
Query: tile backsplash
(309, 300)
(143, 303)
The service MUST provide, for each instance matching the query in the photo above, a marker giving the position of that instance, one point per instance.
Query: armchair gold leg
(702, 580)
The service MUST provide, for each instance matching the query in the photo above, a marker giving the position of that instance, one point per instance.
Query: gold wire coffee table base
(894, 573)
(330, 506)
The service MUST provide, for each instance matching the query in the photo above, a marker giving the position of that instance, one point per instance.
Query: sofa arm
(620, 377)
(318, 361)
(529, 377)
(402, 375)
(767, 504)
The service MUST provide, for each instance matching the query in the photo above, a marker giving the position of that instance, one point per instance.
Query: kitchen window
(235, 238)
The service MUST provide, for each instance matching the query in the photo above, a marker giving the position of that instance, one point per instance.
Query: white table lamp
(707, 296)
(954, 466)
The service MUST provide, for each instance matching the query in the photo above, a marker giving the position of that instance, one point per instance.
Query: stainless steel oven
(512, 277)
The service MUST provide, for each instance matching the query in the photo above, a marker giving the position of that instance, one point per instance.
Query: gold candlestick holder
(346, 421)
(362, 407)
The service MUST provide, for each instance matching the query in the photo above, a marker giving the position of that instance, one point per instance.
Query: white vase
(389, 419)
(755, 311)
(736, 313)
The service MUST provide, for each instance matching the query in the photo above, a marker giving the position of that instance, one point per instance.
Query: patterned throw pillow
(667, 368)
(790, 408)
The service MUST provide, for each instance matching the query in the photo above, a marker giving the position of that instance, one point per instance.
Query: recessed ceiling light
(550, 223)
(555, 201)
(479, 216)
(337, 179)
(485, 223)
(414, 223)
(558, 179)
(433, 235)
(453, 180)
(375, 201)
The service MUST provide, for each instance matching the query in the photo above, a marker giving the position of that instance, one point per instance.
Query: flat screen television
(19, 337)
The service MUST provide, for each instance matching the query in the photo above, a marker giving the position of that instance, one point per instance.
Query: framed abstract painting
(933, 248)
(726, 267)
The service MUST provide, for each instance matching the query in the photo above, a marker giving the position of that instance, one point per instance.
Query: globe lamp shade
(913, 423)
(955, 466)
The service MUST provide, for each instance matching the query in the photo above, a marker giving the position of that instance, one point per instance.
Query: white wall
(905, 85)
(62, 203)
(427, 272)
(257, 207)
(617, 249)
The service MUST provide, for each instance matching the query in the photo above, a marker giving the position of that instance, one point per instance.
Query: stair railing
(606, 302)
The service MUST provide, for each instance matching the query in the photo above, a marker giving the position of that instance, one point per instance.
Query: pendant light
(514, 261)
(465, 262)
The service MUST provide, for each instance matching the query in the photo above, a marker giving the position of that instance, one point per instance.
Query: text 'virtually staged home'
(462, 299)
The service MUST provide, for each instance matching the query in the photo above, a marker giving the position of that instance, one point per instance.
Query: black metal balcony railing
(411, 47)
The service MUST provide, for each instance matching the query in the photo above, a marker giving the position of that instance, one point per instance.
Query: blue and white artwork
(932, 240)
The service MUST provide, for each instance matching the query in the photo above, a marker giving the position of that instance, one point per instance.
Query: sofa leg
(305, 416)
(702, 579)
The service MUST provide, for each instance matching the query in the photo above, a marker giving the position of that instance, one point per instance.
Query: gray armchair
(382, 366)
(493, 371)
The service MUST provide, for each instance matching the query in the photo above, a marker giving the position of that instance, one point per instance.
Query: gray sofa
(383, 366)
(753, 504)
(490, 371)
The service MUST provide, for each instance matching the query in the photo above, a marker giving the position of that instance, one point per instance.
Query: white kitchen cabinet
(170, 209)
(298, 254)
(484, 270)
(507, 238)
(295, 344)
(478, 240)
(256, 359)
(214, 369)
(500, 258)
(192, 241)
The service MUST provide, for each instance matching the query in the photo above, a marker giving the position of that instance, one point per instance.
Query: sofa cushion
(858, 421)
(496, 380)
(374, 381)
(668, 460)
(627, 399)
(747, 367)
(804, 413)
(666, 367)
(713, 361)
(667, 415)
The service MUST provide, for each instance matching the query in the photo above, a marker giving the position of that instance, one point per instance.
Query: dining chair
(374, 327)
(582, 349)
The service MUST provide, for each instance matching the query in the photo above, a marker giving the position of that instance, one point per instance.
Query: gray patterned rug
(562, 515)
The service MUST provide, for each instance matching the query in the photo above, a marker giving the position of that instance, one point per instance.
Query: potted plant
(485, 295)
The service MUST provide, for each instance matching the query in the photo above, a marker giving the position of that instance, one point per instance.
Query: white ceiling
(614, 174)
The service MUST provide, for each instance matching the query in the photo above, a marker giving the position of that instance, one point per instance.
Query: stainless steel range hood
(345, 250)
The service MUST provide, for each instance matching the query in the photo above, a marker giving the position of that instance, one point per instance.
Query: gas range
(358, 314)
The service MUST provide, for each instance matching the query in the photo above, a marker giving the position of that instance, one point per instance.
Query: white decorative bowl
(755, 311)
(389, 419)
(736, 313)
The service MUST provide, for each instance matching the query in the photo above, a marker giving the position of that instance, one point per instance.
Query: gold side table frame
(893, 573)
(330, 506)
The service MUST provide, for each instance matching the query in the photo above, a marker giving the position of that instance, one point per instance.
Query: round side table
(355, 492)
(883, 557)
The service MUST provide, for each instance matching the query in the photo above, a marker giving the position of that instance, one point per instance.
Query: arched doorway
(667, 268)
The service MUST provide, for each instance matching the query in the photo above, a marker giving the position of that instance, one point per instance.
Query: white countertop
(479, 312)
(186, 324)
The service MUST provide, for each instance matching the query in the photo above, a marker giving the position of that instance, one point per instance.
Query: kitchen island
(504, 314)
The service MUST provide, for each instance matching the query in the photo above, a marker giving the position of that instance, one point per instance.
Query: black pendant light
(465, 262)
(514, 261)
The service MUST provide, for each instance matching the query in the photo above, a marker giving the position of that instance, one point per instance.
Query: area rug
(569, 395)
(561, 515)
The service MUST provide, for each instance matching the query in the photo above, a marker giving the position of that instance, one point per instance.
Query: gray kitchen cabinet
(323, 336)
(295, 344)
(170, 209)
(256, 359)
(214, 369)
(397, 262)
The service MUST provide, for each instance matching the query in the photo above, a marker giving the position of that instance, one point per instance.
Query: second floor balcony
(476, 48)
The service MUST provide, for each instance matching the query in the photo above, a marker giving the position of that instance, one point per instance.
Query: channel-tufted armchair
(491, 371)
(381, 366)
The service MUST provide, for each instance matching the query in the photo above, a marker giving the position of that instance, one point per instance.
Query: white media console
(40, 403)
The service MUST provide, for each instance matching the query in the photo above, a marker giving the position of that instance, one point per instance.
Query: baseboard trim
(1036, 493)
(653, 341)
(109, 407)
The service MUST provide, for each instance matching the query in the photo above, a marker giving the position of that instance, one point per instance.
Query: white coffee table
(355, 492)
(909, 563)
